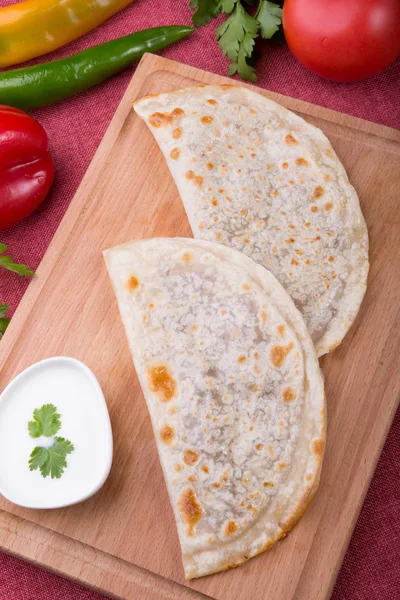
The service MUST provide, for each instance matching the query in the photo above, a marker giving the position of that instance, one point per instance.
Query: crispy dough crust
(284, 510)
(164, 112)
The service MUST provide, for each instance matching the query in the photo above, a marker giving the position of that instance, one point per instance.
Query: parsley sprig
(236, 38)
(206, 10)
(237, 34)
(269, 15)
(8, 263)
(50, 461)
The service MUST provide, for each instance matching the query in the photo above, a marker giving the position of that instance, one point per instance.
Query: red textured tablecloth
(371, 569)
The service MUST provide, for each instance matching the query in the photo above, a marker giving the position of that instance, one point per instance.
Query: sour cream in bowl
(55, 435)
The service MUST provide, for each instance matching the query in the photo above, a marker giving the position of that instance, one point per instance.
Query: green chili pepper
(47, 83)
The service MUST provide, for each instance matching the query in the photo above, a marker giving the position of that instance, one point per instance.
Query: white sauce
(74, 390)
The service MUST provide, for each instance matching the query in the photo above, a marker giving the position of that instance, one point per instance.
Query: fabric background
(371, 569)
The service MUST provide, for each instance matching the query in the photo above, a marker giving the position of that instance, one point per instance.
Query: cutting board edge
(69, 558)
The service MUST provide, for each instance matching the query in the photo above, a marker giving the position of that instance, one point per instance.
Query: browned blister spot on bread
(190, 457)
(319, 192)
(161, 382)
(281, 330)
(159, 119)
(197, 179)
(190, 509)
(132, 283)
(318, 447)
(174, 154)
(288, 395)
(187, 257)
(279, 353)
(206, 119)
(301, 162)
(176, 134)
(230, 528)
(263, 318)
(290, 140)
(167, 434)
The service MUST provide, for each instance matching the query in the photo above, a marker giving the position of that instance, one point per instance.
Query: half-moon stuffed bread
(257, 177)
(234, 390)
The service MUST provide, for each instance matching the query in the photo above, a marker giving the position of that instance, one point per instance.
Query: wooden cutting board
(123, 541)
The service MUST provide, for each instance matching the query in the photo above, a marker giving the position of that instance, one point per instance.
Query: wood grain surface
(123, 541)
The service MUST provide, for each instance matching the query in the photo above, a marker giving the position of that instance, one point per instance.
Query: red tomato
(26, 167)
(343, 40)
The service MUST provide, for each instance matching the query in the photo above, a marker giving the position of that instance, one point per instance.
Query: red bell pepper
(26, 167)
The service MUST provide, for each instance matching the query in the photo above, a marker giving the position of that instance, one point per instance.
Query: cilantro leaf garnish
(38, 458)
(8, 263)
(51, 461)
(269, 15)
(236, 39)
(4, 321)
(206, 10)
(46, 421)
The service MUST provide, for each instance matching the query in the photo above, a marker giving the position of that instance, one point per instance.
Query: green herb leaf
(4, 321)
(51, 461)
(227, 6)
(236, 39)
(206, 10)
(269, 15)
(38, 458)
(8, 263)
(46, 421)
(246, 71)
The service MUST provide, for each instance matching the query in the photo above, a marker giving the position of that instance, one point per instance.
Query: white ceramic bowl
(74, 390)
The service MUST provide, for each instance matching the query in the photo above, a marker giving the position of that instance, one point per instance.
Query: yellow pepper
(35, 27)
